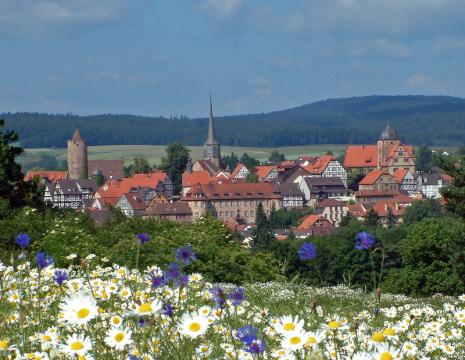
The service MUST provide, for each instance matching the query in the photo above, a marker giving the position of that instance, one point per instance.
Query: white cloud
(59, 11)
(221, 9)
(423, 83)
(392, 48)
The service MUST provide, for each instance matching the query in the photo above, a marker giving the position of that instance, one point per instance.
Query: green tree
(276, 157)
(229, 161)
(454, 193)
(13, 187)
(372, 218)
(390, 218)
(249, 161)
(273, 219)
(433, 257)
(251, 177)
(175, 164)
(424, 158)
(424, 209)
(263, 237)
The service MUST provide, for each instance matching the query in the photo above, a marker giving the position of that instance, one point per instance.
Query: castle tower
(387, 139)
(77, 157)
(212, 146)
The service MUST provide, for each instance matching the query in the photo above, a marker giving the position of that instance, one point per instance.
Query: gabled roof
(110, 169)
(381, 208)
(174, 208)
(372, 177)
(392, 150)
(209, 166)
(47, 175)
(135, 200)
(290, 189)
(264, 170)
(361, 156)
(310, 220)
(232, 191)
(357, 210)
(399, 175)
(196, 177)
(324, 181)
(237, 169)
(115, 188)
(320, 164)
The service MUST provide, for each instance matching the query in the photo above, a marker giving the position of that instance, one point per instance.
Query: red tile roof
(232, 191)
(263, 171)
(135, 200)
(408, 149)
(400, 174)
(237, 169)
(116, 188)
(311, 220)
(381, 208)
(196, 177)
(372, 177)
(361, 156)
(320, 164)
(47, 175)
(357, 210)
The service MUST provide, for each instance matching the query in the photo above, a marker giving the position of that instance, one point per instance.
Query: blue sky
(154, 57)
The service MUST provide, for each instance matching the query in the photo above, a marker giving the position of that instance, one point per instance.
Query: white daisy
(76, 345)
(118, 338)
(193, 325)
(79, 309)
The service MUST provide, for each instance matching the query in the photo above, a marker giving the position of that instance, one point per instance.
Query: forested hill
(430, 120)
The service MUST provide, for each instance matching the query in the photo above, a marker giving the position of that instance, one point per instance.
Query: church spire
(211, 128)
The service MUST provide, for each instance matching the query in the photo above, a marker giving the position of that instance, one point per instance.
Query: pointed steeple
(76, 135)
(211, 128)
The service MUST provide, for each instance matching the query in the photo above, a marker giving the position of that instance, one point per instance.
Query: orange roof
(237, 169)
(320, 164)
(135, 200)
(372, 177)
(263, 171)
(196, 177)
(400, 174)
(357, 210)
(361, 156)
(116, 188)
(408, 149)
(47, 175)
(311, 220)
(381, 208)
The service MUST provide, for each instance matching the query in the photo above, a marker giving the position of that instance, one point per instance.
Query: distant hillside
(430, 120)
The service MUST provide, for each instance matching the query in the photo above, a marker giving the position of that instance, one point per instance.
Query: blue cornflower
(158, 280)
(173, 272)
(307, 251)
(143, 238)
(218, 296)
(236, 296)
(23, 240)
(364, 241)
(60, 276)
(44, 260)
(185, 254)
(255, 347)
(168, 310)
(247, 334)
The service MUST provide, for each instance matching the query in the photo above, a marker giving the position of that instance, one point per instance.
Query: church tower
(77, 157)
(387, 140)
(212, 146)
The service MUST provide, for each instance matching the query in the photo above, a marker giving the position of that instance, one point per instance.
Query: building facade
(77, 157)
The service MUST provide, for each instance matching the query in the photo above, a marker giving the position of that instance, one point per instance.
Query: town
(387, 182)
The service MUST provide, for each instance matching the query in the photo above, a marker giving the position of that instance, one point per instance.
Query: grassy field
(154, 153)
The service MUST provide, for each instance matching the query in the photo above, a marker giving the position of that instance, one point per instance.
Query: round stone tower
(77, 157)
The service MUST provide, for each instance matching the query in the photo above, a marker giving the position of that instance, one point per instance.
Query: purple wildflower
(236, 296)
(168, 310)
(173, 272)
(307, 251)
(186, 255)
(60, 276)
(143, 238)
(44, 260)
(364, 241)
(218, 296)
(158, 280)
(248, 336)
(23, 240)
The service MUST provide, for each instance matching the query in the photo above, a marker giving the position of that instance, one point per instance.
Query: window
(246, 213)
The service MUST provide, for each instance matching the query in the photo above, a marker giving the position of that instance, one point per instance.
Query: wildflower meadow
(92, 309)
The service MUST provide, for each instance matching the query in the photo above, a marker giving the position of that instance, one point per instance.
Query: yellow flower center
(46, 338)
(119, 337)
(334, 324)
(15, 296)
(194, 327)
(386, 356)
(77, 345)
(311, 340)
(389, 332)
(3, 344)
(116, 321)
(83, 313)
(295, 340)
(125, 293)
(378, 337)
(145, 308)
(289, 326)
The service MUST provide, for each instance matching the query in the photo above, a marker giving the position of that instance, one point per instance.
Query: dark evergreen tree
(175, 164)
(263, 237)
(251, 177)
(454, 194)
(424, 159)
(390, 218)
(13, 187)
(372, 218)
(276, 157)
(419, 210)
(346, 219)
(249, 161)
(229, 161)
(273, 220)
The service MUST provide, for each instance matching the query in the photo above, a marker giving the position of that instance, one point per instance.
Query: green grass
(154, 153)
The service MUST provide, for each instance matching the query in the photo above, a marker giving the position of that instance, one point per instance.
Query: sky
(164, 57)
